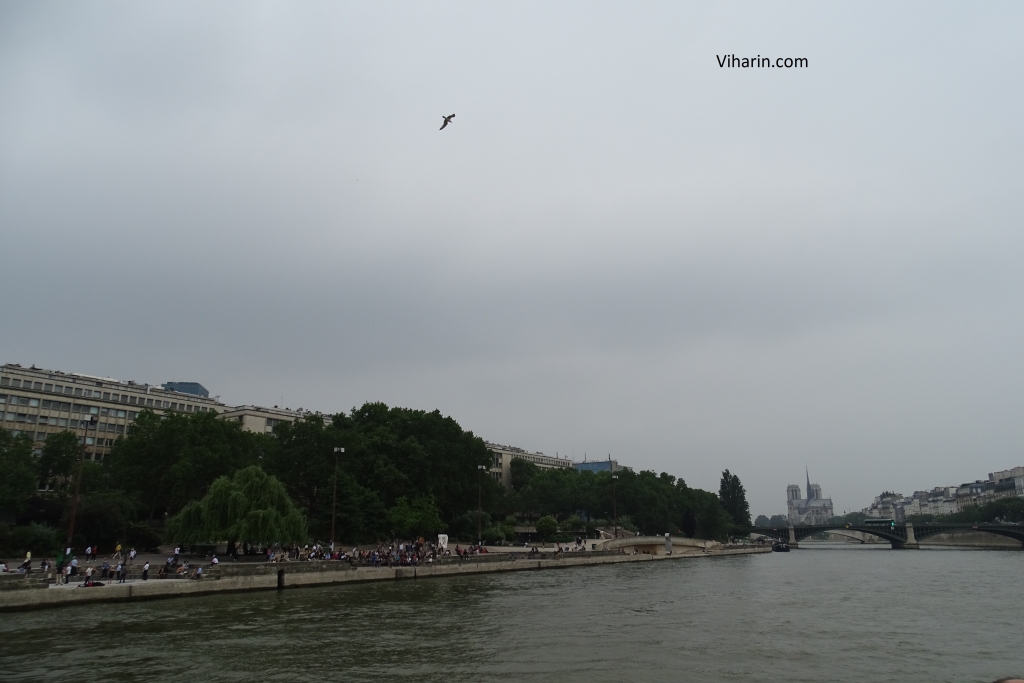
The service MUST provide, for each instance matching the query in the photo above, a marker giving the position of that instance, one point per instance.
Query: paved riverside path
(251, 576)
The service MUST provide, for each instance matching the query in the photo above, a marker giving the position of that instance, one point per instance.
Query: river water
(831, 613)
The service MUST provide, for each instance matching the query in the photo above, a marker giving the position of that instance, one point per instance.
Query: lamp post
(479, 502)
(615, 509)
(334, 498)
(93, 419)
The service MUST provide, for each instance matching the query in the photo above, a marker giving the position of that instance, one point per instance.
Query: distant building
(502, 457)
(40, 403)
(608, 465)
(100, 410)
(887, 505)
(947, 500)
(261, 420)
(194, 388)
(814, 509)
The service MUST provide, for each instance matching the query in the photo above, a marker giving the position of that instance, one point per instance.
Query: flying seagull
(447, 120)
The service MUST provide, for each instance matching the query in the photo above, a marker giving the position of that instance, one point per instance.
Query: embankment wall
(233, 578)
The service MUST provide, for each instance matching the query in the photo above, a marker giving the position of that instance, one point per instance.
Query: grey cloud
(616, 247)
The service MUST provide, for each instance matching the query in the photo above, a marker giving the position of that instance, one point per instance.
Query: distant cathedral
(810, 510)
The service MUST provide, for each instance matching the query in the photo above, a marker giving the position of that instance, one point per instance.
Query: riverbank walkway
(36, 590)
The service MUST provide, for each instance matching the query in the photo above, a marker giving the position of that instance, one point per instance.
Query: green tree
(57, 462)
(762, 521)
(249, 506)
(18, 475)
(521, 472)
(547, 527)
(166, 461)
(713, 522)
(420, 518)
(734, 499)
(102, 518)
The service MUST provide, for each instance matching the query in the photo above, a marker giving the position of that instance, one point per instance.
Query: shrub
(142, 537)
(547, 527)
(41, 540)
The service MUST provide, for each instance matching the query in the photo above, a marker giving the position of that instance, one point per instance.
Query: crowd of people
(386, 554)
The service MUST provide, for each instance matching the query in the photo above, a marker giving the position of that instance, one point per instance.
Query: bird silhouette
(447, 120)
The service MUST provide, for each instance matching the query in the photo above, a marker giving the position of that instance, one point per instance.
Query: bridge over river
(899, 535)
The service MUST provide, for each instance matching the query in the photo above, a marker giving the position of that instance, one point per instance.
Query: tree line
(195, 477)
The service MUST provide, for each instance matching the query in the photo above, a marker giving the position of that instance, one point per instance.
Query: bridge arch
(900, 536)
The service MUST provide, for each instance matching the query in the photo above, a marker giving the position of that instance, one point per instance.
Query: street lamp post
(78, 478)
(479, 502)
(615, 509)
(334, 498)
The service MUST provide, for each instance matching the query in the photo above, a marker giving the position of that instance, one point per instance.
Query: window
(88, 393)
(62, 422)
(67, 391)
(33, 402)
(94, 410)
(58, 389)
(106, 395)
(124, 398)
(149, 401)
(119, 429)
(174, 406)
(115, 397)
(132, 414)
(52, 421)
(40, 436)
(31, 419)
(89, 441)
(78, 391)
(3, 398)
(45, 405)
(16, 383)
(47, 387)
(38, 386)
(5, 381)
(103, 412)
(21, 417)
(132, 400)
(120, 413)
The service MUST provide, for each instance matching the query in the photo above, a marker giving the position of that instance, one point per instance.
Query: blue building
(608, 465)
(194, 388)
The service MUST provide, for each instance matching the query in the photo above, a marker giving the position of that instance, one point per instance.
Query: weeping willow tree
(249, 506)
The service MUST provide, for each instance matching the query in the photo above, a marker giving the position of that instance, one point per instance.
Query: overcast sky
(616, 247)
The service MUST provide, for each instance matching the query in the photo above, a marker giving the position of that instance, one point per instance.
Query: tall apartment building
(41, 402)
(503, 456)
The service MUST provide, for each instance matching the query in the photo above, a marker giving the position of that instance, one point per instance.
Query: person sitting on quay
(198, 573)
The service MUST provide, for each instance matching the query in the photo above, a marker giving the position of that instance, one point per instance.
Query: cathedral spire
(809, 496)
